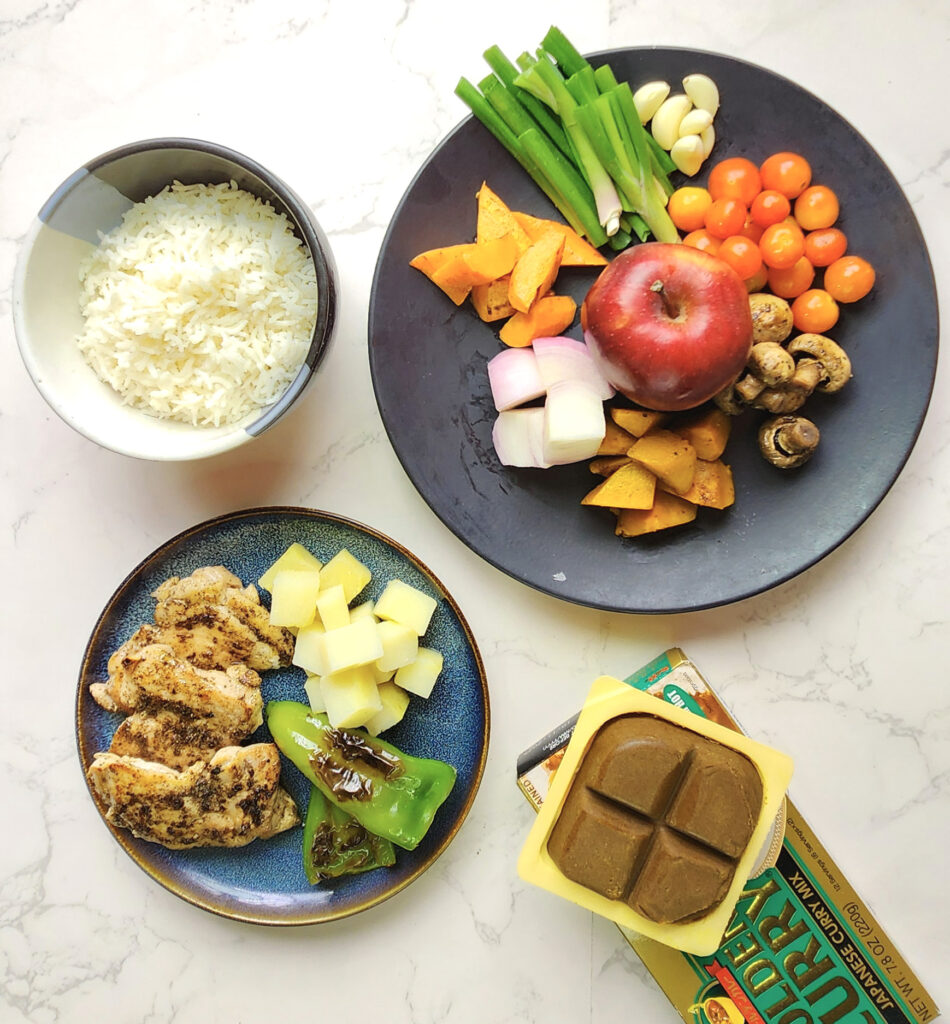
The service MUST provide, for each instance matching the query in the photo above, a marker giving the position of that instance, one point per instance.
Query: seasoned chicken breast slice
(154, 677)
(229, 801)
(205, 584)
(171, 738)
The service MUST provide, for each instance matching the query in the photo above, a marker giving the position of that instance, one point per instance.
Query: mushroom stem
(788, 441)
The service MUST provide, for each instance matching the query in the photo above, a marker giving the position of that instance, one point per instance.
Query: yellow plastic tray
(607, 699)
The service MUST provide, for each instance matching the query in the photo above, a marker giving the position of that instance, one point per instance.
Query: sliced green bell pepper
(390, 793)
(335, 843)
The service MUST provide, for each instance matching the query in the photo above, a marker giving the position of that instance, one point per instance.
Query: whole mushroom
(829, 355)
(788, 441)
(771, 318)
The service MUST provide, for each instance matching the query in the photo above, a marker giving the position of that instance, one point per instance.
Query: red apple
(669, 325)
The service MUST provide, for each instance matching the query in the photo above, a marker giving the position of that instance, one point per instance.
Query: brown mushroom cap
(834, 362)
(771, 363)
(771, 318)
(788, 441)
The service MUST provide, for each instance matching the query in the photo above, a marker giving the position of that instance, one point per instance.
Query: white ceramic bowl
(46, 312)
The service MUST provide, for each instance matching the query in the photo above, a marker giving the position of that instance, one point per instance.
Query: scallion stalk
(563, 51)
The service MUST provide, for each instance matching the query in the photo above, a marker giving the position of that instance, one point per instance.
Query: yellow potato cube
(419, 676)
(351, 697)
(382, 676)
(395, 701)
(332, 607)
(314, 695)
(346, 570)
(361, 610)
(402, 603)
(294, 597)
(400, 645)
(310, 650)
(295, 557)
(355, 644)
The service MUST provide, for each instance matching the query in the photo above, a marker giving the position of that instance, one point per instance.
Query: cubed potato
(364, 610)
(382, 676)
(399, 602)
(355, 644)
(346, 570)
(294, 597)
(400, 645)
(312, 689)
(332, 607)
(395, 700)
(351, 696)
(295, 557)
(419, 676)
(310, 650)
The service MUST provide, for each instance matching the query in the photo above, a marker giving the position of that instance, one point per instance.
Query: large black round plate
(264, 883)
(428, 365)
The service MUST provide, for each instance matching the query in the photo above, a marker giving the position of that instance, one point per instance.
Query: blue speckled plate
(264, 883)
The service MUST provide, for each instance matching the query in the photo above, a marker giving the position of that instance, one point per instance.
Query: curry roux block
(657, 816)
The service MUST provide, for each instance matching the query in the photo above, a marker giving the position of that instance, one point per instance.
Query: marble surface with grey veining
(845, 667)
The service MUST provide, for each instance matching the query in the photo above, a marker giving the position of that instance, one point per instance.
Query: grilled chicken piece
(229, 801)
(211, 617)
(154, 678)
(202, 646)
(171, 738)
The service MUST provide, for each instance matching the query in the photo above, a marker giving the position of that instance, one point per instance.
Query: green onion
(563, 51)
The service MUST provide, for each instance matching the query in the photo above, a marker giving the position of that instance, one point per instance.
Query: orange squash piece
(712, 485)
(481, 263)
(631, 486)
(495, 220)
(604, 465)
(617, 441)
(491, 300)
(548, 317)
(707, 433)
(668, 510)
(668, 456)
(637, 421)
(578, 252)
(535, 271)
(430, 261)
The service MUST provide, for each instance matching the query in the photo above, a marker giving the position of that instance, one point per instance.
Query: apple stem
(668, 307)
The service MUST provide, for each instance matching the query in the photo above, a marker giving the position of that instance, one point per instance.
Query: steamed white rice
(200, 305)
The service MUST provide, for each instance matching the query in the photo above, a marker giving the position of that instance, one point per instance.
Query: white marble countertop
(844, 667)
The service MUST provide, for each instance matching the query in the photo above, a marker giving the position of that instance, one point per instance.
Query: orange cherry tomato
(758, 280)
(725, 217)
(735, 178)
(742, 254)
(702, 239)
(789, 282)
(817, 207)
(752, 230)
(787, 173)
(782, 245)
(849, 279)
(769, 207)
(825, 246)
(687, 207)
(814, 311)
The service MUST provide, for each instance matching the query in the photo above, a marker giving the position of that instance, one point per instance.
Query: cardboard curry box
(801, 947)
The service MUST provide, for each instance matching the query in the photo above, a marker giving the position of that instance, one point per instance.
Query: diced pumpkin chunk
(495, 220)
(535, 271)
(712, 485)
(604, 465)
(637, 421)
(547, 318)
(491, 300)
(294, 597)
(671, 459)
(578, 252)
(346, 570)
(631, 486)
(617, 441)
(295, 557)
(431, 260)
(707, 433)
(419, 676)
(668, 510)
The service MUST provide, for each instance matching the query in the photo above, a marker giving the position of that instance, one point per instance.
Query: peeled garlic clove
(703, 92)
(708, 138)
(666, 121)
(695, 122)
(687, 154)
(648, 98)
